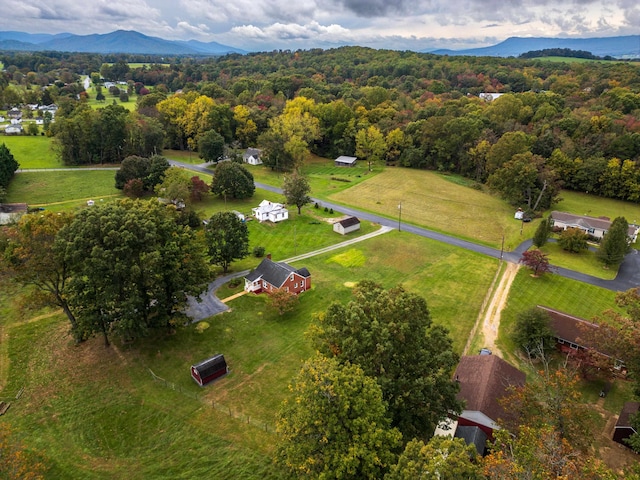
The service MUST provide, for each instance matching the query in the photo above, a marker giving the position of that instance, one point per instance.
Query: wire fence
(213, 404)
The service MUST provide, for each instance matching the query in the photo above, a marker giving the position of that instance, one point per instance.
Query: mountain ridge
(133, 42)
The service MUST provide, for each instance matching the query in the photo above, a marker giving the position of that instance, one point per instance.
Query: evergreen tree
(615, 244)
(542, 233)
(8, 166)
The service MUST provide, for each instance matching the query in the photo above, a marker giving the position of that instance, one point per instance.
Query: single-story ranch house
(270, 276)
(346, 225)
(269, 211)
(344, 161)
(596, 227)
(570, 333)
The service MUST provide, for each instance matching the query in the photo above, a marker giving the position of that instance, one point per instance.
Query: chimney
(269, 256)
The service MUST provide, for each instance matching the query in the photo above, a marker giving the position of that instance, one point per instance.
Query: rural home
(623, 428)
(346, 225)
(569, 331)
(489, 96)
(344, 161)
(13, 130)
(39, 121)
(252, 156)
(15, 113)
(11, 212)
(271, 212)
(208, 370)
(270, 276)
(596, 227)
(484, 380)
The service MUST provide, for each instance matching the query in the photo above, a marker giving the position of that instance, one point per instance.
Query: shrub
(258, 252)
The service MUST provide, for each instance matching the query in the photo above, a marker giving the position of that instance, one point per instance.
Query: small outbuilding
(346, 225)
(344, 161)
(208, 370)
(623, 428)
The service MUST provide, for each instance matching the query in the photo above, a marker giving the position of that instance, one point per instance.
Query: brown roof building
(596, 227)
(484, 380)
(623, 428)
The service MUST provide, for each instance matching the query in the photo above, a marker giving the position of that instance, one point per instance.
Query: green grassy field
(32, 151)
(185, 156)
(104, 416)
(67, 189)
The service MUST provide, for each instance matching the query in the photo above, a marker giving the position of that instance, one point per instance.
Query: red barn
(208, 370)
(270, 276)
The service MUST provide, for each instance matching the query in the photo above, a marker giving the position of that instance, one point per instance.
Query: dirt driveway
(491, 316)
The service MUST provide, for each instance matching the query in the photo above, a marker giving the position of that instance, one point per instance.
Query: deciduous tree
(132, 268)
(33, 258)
(532, 332)
(282, 300)
(370, 145)
(573, 240)
(211, 146)
(442, 458)
(537, 261)
(296, 190)
(334, 426)
(232, 180)
(389, 333)
(228, 239)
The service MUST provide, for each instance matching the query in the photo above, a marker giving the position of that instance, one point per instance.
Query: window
(591, 231)
(291, 277)
(295, 286)
(286, 289)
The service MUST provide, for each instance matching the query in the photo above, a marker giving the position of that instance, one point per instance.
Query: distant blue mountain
(120, 41)
(618, 47)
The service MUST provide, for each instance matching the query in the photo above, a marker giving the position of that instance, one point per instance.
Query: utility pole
(399, 215)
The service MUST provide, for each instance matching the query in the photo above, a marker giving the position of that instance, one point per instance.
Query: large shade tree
(296, 190)
(389, 333)
(335, 426)
(232, 180)
(132, 268)
(31, 259)
(227, 238)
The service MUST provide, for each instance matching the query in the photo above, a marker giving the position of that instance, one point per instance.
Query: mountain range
(120, 41)
(617, 47)
(126, 41)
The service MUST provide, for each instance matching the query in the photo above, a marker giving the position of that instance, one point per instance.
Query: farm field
(105, 416)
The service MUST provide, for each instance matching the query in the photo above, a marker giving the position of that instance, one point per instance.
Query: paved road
(209, 304)
(628, 274)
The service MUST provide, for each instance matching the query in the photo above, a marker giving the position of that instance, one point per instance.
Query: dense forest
(556, 125)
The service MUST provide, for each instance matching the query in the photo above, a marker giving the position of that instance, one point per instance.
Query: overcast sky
(291, 24)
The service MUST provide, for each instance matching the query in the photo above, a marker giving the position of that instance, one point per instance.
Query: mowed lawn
(65, 189)
(440, 203)
(32, 151)
(96, 412)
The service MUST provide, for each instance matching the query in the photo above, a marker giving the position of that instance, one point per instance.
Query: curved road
(628, 274)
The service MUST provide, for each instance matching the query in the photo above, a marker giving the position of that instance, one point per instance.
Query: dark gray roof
(629, 409)
(255, 152)
(210, 365)
(349, 221)
(585, 222)
(472, 436)
(275, 273)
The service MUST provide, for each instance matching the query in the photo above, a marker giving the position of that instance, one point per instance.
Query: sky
(259, 25)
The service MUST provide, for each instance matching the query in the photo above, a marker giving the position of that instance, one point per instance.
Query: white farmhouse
(270, 212)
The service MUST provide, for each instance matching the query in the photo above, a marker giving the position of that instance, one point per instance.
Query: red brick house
(270, 276)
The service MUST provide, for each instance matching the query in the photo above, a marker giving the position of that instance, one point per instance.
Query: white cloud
(266, 24)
